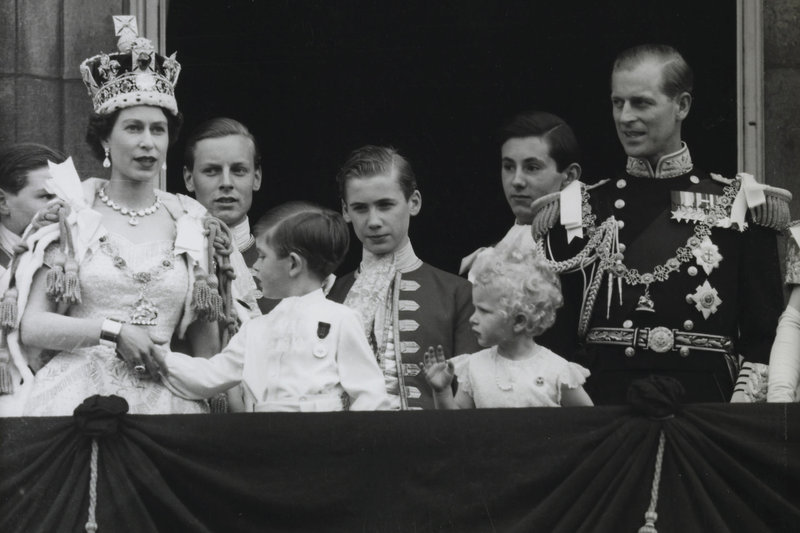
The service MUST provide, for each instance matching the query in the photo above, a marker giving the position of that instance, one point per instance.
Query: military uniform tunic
(723, 301)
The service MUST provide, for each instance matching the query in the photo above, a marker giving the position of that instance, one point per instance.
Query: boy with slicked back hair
(405, 304)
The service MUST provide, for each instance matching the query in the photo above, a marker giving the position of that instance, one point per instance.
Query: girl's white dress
(492, 380)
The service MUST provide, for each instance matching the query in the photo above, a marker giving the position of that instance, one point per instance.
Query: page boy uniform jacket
(425, 307)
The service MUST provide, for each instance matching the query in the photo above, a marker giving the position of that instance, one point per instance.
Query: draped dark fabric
(725, 468)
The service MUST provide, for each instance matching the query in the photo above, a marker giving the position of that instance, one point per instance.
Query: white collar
(8, 240)
(405, 260)
(313, 296)
(242, 236)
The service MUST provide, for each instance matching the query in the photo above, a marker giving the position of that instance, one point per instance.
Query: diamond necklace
(145, 311)
(133, 214)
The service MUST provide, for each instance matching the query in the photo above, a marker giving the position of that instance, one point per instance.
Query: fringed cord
(91, 523)
(226, 290)
(604, 232)
(651, 516)
(72, 285)
(9, 312)
(220, 297)
(6, 377)
(62, 277)
(220, 250)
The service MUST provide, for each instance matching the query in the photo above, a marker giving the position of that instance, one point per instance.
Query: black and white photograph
(322, 266)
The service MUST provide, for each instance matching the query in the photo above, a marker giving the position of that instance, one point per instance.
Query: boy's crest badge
(319, 351)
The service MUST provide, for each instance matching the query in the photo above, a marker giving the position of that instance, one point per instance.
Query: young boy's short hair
(528, 286)
(370, 160)
(319, 235)
(564, 148)
(17, 160)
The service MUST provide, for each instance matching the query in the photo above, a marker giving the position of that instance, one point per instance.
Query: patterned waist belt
(660, 340)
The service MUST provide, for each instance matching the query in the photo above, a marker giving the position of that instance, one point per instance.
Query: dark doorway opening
(315, 79)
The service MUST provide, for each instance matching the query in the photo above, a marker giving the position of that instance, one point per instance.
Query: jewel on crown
(135, 75)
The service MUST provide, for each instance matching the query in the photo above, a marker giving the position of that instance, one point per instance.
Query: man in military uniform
(222, 167)
(691, 284)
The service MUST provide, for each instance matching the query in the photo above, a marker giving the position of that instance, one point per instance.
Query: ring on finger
(140, 368)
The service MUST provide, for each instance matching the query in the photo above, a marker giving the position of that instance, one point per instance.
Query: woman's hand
(137, 349)
(438, 371)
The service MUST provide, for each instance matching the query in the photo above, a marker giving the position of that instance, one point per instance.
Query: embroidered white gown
(108, 291)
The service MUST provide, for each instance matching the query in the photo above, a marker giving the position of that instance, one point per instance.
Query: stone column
(781, 90)
(42, 97)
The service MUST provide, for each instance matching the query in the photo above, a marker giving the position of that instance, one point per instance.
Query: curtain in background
(725, 468)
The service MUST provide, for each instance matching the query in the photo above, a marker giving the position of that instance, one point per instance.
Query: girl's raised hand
(438, 371)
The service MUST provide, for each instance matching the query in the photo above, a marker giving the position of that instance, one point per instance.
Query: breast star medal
(707, 255)
(705, 299)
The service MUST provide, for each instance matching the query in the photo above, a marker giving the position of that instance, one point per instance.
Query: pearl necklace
(135, 215)
(506, 385)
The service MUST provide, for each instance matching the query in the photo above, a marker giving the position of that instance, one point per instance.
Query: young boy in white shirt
(308, 353)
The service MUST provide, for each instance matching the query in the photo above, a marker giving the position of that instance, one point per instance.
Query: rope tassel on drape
(97, 417)
(651, 516)
(659, 398)
(91, 522)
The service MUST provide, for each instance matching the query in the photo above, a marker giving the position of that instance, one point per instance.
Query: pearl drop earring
(106, 161)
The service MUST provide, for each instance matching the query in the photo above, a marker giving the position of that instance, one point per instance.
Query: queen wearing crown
(115, 267)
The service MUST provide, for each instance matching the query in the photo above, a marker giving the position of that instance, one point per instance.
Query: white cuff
(784, 360)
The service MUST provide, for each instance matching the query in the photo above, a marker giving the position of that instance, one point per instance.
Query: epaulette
(775, 212)
(719, 178)
(598, 184)
(547, 212)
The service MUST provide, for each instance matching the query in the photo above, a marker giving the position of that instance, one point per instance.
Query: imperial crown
(136, 75)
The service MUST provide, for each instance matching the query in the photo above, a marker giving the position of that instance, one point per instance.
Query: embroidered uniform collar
(242, 236)
(405, 260)
(669, 166)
